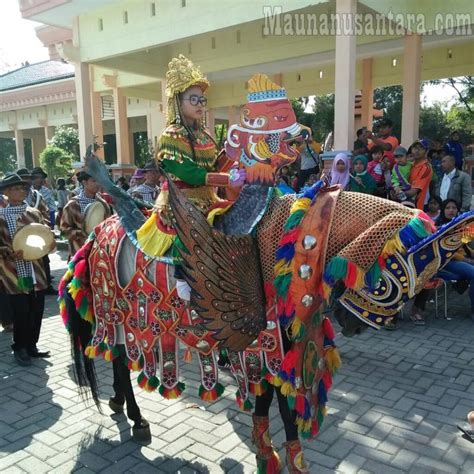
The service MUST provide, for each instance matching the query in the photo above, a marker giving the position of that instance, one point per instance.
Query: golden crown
(182, 74)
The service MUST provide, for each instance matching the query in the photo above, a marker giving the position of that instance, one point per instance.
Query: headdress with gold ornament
(181, 75)
(261, 89)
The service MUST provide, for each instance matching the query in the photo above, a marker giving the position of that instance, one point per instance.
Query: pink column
(411, 89)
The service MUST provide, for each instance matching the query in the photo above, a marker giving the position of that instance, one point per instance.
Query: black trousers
(27, 317)
(47, 269)
(6, 316)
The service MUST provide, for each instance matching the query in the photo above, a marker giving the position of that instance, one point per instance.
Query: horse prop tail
(74, 302)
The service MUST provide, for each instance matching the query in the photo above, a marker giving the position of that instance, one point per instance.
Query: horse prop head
(261, 141)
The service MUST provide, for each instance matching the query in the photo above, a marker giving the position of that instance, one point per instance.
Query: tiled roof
(39, 73)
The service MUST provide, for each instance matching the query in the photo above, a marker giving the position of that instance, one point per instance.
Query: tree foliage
(390, 99)
(7, 155)
(56, 162)
(67, 138)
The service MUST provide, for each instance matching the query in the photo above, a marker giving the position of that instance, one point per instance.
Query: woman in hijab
(361, 181)
(340, 171)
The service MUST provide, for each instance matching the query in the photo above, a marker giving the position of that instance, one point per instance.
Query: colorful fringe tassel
(148, 384)
(172, 393)
(339, 268)
(211, 395)
(111, 354)
(244, 405)
(94, 351)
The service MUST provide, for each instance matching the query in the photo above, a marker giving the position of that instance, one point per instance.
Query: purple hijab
(336, 176)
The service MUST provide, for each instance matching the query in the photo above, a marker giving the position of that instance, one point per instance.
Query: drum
(94, 214)
(35, 240)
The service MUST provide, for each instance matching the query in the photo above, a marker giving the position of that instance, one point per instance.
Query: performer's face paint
(193, 104)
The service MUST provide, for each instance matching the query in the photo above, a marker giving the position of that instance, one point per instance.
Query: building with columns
(121, 48)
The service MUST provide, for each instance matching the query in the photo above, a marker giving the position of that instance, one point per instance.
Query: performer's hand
(18, 255)
(237, 177)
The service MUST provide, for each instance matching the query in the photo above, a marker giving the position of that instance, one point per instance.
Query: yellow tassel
(324, 410)
(392, 246)
(275, 380)
(90, 352)
(152, 240)
(306, 425)
(300, 205)
(326, 291)
(172, 394)
(73, 291)
(188, 355)
(333, 359)
(287, 389)
(296, 326)
(108, 355)
(89, 316)
(282, 267)
(300, 422)
(257, 389)
(135, 365)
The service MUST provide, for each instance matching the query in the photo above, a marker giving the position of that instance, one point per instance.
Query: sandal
(468, 430)
(418, 319)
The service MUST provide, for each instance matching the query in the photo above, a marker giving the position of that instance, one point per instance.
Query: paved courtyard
(393, 409)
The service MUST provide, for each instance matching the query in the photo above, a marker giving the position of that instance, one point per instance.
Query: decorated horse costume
(258, 284)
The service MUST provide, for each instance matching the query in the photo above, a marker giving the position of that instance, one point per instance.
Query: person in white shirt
(455, 184)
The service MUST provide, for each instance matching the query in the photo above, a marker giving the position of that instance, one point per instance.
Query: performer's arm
(68, 225)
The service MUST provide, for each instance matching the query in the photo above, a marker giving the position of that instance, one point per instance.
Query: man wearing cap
(73, 218)
(136, 180)
(149, 190)
(455, 184)
(421, 174)
(34, 198)
(24, 281)
(38, 177)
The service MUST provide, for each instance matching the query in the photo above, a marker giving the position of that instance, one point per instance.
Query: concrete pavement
(393, 409)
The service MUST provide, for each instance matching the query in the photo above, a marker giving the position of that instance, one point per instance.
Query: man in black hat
(38, 177)
(24, 281)
(72, 219)
(149, 190)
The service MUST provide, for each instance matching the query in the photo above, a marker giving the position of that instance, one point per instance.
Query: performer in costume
(23, 281)
(72, 219)
(188, 153)
(38, 177)
(148, 191)
(36, 200)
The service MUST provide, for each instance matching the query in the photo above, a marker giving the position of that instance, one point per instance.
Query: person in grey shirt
(455, 184)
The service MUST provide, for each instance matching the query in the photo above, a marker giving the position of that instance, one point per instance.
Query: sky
(18, 43)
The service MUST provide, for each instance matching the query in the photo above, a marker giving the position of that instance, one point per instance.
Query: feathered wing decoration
(126, 206)
(224, 274)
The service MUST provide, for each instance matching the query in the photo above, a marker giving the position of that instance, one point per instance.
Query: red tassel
(290, 237)
(382, 263)
(328, 329)
(351, 276)
(80, 267)
(289, 362)
(314, 428)
(269, 290)
(300, 404)
(327, 380)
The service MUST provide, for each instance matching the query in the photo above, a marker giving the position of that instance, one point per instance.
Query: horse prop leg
(124, 393)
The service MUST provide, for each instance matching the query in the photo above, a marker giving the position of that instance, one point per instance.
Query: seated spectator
(455, 184)
(420, 176)
(340, 171)
(361, 181)
(434, 207)
(361, 145)
(401, 174)
(459, 268)
(376, 169)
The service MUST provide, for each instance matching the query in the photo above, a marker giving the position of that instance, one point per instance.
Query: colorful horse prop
(259, 278)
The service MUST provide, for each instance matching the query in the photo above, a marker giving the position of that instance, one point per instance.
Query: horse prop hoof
(141, 431)
(115, 407)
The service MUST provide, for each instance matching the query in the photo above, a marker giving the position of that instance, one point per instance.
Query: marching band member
(73, 217)
(24, 281)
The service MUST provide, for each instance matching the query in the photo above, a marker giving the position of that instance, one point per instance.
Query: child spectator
(340, 171)
(401, 174)
(374, 167)
(361, 181)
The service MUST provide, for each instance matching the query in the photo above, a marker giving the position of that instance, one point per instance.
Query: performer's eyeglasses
(196, 99)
